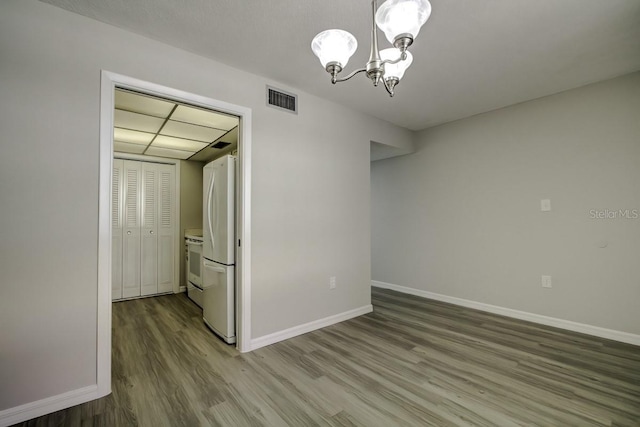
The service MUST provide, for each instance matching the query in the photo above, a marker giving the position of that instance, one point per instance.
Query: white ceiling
(472, 56)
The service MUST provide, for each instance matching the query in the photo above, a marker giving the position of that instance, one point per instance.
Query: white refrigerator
(218, 249)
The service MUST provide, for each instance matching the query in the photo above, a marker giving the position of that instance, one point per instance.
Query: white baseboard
(597, 331)
(182, 289)
(48, 405)
(275, 337)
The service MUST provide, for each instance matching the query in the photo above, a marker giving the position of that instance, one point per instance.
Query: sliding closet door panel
(167, 216)
(149, 229)
(116, 230)
(131, 229)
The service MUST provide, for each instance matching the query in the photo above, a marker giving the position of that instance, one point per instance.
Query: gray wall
(310, 203)
(461, 217)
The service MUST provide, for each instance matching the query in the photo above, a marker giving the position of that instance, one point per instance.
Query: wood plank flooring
(412, 362)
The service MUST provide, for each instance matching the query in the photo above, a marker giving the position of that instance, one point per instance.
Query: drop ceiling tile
(142, 104)
(132, 136)
(204, 118)
(124, 147)
(166, 152)
(178, 143)
(189, 131)
(135, 121)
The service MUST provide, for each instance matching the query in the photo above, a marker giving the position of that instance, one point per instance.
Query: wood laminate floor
(412, 362)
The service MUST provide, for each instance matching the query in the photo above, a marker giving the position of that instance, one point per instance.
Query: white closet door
(144, 214)
(167, 205)
(116, 230)
(149, 230)
(131, 229)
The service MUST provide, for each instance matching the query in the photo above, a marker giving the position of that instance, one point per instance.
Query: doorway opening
(109, 84)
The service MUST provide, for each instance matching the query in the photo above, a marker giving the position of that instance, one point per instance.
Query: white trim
(243, 274)
(597, 331)
(308, 327)
(178, 243)
(48, 405)
(145, 158)
(103, 333)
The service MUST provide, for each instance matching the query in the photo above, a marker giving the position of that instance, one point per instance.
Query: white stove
(193, 242)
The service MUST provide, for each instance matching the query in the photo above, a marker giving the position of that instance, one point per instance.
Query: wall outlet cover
(545, 205)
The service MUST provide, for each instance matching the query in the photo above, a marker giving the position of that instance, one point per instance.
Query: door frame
(109, 82)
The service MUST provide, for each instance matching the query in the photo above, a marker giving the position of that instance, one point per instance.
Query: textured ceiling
(472, 56)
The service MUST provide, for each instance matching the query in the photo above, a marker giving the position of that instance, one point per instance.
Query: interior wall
(310, 186)
(462, 215)
(190, 203)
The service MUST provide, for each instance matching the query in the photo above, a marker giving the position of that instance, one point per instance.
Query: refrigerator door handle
(209, 197)
(216, 202)
(211, 266)
(216, 269)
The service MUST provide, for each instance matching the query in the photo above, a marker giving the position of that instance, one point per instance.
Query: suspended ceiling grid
(158, 127)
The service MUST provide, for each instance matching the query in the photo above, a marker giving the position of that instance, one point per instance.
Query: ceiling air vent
(282, 100)
(221, 144)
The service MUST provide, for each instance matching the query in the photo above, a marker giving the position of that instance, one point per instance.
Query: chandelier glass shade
(398, 17)
(395, 71)
(334, 46)
(400, 20)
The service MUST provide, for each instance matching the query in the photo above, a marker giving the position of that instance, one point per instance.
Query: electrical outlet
(332, 282)
(546, 281)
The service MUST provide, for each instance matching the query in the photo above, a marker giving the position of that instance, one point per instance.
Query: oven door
(195, 263)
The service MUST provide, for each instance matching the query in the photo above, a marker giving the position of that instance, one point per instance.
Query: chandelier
(400, 20)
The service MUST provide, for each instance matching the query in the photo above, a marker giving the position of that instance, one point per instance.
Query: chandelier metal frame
(375, 66)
